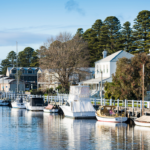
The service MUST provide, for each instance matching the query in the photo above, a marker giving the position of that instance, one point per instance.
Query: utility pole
(143, 93)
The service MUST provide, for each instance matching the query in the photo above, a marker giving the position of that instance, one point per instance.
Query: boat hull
(34, 108)
(142, 123)
(50, 110)
(68, 113)
(111, 119)
(18, 105)
(3, 103)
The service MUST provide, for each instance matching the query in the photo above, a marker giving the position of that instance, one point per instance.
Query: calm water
(22, 129)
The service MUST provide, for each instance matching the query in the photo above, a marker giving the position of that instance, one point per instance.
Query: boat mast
(143, 93)
(17, 63)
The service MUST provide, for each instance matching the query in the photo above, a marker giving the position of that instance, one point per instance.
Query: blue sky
(32, 22)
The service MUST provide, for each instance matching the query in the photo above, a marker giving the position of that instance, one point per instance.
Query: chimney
(104, 53)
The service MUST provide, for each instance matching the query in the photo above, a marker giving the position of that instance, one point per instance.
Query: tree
(28, 58)
(64, 56)
(97, 27)
(112, 26)
(79, 32)
(141, 31)
(127, 81)
(12, 57)
(4, 64)
(127, 38)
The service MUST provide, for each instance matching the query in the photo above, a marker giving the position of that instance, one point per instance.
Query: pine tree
(97, 27)
(141, 31)
(113, 27)
(127, 38)
(79, 32)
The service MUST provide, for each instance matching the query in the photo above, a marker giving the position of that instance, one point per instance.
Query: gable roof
(114, 57)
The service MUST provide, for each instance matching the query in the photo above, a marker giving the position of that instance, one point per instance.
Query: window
(107, 68)
(13, 71)
(30, 71)
(103, 68)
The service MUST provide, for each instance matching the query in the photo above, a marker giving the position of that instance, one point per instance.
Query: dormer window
(30, 71)
(13, 71)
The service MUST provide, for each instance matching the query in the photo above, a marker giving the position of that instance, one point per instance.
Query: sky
(32, 22)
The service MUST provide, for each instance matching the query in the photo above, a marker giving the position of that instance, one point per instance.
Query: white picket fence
(61, 98)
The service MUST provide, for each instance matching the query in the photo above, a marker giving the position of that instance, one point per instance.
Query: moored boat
(35, 104)
(51, 109)
(4, 103)
(18, 103)
(78, 104)
(107, 114)
(143, 121)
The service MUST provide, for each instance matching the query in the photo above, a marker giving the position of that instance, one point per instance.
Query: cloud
(71, 5)
(9, 38)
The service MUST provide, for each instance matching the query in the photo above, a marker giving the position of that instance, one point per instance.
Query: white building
(107, 66)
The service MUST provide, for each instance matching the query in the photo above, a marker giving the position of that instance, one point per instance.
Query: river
(25, 130)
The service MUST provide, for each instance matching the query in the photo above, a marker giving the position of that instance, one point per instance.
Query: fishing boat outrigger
(107, 114)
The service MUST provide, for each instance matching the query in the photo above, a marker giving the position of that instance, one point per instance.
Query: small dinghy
(51, 109)
(4, 103)
(107, 114)
(143, 121)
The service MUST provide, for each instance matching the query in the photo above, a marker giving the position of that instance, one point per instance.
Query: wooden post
(125, 107)
(141, 107)
(117, 105)
(143, 93)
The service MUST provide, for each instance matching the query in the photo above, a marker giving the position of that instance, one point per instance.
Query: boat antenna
(17, 63)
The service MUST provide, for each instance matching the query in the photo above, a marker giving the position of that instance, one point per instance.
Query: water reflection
(22, 129)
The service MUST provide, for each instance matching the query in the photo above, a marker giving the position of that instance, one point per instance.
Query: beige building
(7, 84)
(48, 78)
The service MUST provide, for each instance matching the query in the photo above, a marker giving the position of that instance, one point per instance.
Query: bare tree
(64, 55)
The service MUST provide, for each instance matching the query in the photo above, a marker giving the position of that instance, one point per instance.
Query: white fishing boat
(35, 104)
(51, 109)
(18, 103)
(107, 114)
(143, 121)
(78, 104)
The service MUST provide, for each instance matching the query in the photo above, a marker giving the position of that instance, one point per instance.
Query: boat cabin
(36, 102)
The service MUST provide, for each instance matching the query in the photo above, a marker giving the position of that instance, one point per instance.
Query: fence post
(104, 101)
(110, 102)
(141, 107)
(132, 107)
(125, 107)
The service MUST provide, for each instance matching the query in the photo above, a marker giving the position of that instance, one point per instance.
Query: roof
(24, 68)
(114, 57)
(97, 80)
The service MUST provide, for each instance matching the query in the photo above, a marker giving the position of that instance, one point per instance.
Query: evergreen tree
(127, 38)
(12, 58)
(4, 64)
(97, 27)
(79, 32)
(141, 31)
(113, 26)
